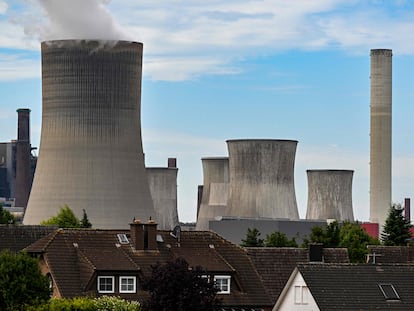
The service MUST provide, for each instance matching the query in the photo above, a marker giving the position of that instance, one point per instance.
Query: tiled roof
(15, 237)
(391, 254)
(275, 264)
(74, 255)
(356, 286)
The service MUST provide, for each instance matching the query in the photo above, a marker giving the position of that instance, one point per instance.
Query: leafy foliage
(85, 223)
(279, 239)
(64, 219)
(176, 286)
(6, 217)
(349, 235)
(21, 282)
(104, 303)
(396, 228)
(252, 238)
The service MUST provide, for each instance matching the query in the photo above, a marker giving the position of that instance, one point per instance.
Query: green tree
(174, 286)
(348, 235)
(21, 282)
(397, 228)
(356, 240)
(64, 219)
(5, 216)
(252, 238)
(85, 223)
(279, 239)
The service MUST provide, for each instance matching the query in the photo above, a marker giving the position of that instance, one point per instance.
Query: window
(105, 284)
(301, 295)
(123, 239)
(222, 282)
(389, 292)
(127, 284)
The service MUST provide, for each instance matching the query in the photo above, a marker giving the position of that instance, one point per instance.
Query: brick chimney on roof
(144, 235)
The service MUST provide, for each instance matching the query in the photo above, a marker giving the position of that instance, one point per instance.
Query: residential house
(16, 237)
(320, 287)
(390, 254)
(97, 262)
(276, 264)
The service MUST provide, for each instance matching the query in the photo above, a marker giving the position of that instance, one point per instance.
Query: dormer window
(106, 284)
(222, 282)
(127, 284)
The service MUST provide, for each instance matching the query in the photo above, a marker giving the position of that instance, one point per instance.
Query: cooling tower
(163, 186)
(381, 122)
(91, 153)
(262, 178)
(23, 149)
(215, 190)
(330, 194)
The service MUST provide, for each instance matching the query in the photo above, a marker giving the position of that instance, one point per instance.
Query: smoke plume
(79, 19)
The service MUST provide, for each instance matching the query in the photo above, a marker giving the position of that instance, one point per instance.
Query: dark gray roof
(391, 254)
(356, 286)
(15, 237)
(276, 264)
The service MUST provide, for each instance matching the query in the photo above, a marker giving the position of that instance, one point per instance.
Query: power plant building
(163, 186)
(380, 135)
(255, 181)
(215, 190)
(330, 195)
(91, 155)
(262, 178)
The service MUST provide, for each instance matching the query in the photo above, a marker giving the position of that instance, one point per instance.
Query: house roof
(15, 237)
(275, 264)
(356, 286)
(391, 254)
(74, 256)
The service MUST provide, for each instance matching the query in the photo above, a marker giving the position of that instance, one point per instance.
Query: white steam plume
(79, 19)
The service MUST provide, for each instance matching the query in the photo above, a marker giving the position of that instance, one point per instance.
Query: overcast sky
(217, 70)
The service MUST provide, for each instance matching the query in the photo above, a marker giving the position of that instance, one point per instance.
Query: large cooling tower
(91, 153)
(330, 194)
(215, 190)
(381, 122)
(262, 178)
(163, 186)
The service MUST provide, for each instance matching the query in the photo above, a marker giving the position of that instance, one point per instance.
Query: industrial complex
(91, 156)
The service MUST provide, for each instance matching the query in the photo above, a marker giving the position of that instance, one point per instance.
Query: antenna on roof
(176, 233)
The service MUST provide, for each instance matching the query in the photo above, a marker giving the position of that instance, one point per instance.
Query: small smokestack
(407, 209)
(144, 235)
(172, 162)
(23, 149)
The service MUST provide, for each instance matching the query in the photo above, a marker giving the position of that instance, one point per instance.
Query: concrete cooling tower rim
(261, 140)
(329, 170)
(215, 158)
(98, 42)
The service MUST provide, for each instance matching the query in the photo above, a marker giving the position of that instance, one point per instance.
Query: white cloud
(184, 39)
(3, 7)
(15, 67)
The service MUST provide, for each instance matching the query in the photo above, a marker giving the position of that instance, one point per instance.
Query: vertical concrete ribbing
(380, 134)
(330, 194)
(91, 153)
(262, 178)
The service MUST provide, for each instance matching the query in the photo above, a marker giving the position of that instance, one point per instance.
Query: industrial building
(17, 165)
(380, 135)
(330, 195)
(91, 155)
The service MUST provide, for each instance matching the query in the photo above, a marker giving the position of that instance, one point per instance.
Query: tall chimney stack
(23, 149)
(381, 135)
